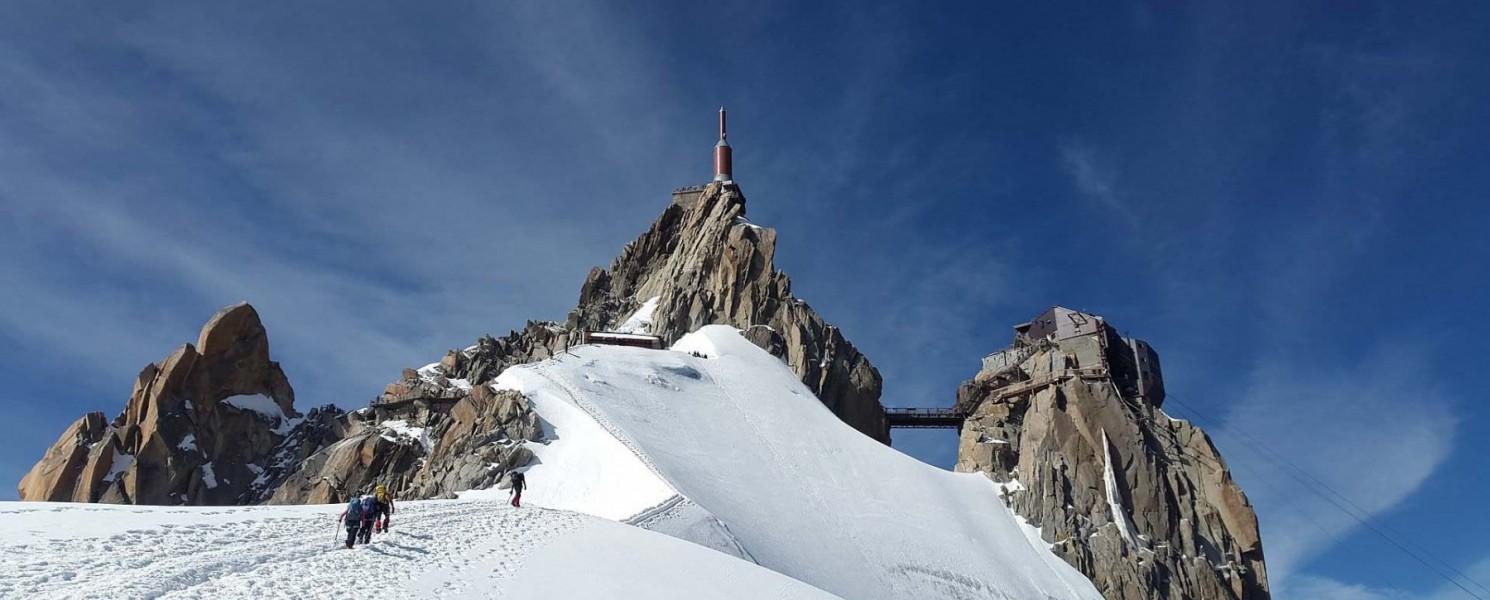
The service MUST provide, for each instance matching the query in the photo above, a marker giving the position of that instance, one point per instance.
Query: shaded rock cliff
(1070, 418)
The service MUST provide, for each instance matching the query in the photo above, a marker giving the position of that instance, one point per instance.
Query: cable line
(1320, 488)
(1334, 537)
(1288, 500)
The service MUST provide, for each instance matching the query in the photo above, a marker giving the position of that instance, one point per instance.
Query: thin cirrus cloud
(1325, 588)
(1309, 406)
(367, 242)
(1286, 280)
(390, 182)
(1372, 432)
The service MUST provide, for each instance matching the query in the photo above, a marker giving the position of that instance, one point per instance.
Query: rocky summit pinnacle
(703, 263)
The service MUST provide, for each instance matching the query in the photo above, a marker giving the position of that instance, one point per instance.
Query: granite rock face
(1142, 503)
(702, 263)
(198, 429)
(428, 447)
(439, 429)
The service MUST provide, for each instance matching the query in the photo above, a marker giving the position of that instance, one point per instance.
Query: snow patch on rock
(641, 320)
(265, 407)
(209, 477)
(121, 463)
(1114, 496)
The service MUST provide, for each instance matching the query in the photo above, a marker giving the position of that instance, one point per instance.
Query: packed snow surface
(737, 435)
(582, 467)
(728, 452)
(435, 549)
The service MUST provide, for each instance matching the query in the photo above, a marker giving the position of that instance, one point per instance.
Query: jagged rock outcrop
(705, 264)
(198, 428)
(1070, 417)
(701, 261)
(459, 438)
(215, 424)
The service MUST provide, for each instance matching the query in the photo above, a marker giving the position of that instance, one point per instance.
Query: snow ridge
(730, 453)
(746, 446)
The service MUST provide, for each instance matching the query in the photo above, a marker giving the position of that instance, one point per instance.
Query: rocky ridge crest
(441, 428)
(701, 263)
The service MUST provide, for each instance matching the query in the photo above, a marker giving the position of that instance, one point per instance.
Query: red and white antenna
(723, 170)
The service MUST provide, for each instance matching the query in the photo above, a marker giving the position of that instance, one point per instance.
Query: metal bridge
(924, 418)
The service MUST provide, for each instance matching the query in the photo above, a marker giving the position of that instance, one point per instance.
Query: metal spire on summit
(723, 170)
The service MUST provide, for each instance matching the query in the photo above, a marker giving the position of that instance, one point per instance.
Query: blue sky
(1287, 199)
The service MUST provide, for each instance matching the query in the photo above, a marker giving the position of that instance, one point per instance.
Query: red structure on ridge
(723, 170)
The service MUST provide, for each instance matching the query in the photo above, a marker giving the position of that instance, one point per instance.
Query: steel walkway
(924, 418)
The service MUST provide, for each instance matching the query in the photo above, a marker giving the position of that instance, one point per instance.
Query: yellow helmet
(380, 489)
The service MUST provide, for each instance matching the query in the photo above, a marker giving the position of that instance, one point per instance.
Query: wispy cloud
(1096, 179)
(1325, 588)
(1374, 432)
(377, 207)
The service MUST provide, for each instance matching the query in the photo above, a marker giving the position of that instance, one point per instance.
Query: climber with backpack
(352, 518)
(384, 510)
(519, 483)
(369, 515)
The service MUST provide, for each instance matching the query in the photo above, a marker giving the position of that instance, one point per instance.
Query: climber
(519, 483)
(352, 518)
(369, 515)
(384, 510)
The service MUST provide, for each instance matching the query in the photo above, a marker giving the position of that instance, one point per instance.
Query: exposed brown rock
(701, 259)
(703, 262)
(54, 478)
(1050, 414)
(469, 442)
(182, 438)
(707, 265)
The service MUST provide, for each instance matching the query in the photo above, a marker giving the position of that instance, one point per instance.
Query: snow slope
(436, 549)
(747, 447)
(584, 468)
(729, 452)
